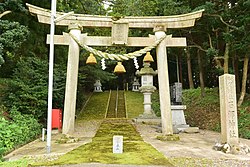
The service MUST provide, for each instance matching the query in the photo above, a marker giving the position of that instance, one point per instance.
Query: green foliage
(91, 73)
(244, 123)
(156, 103)
(12, 35)
(17, 129)
(13, 5)
(193, 97)
(83, 6)
(18, 163)
(27, 90)
(211, 52)
(134, 103)
(171, 7)
(205, 112)
(244, 117)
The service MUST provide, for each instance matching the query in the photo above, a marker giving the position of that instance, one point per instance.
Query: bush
(244, 124)
(28, 88)
(16, 130)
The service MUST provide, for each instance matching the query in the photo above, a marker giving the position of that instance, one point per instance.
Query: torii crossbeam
(119, 28)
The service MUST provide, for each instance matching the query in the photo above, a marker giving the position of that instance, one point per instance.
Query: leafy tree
(82, 6)
(28, 88)
(12, 34)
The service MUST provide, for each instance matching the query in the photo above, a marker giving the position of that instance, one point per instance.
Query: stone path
(191, 150)
(195, 148)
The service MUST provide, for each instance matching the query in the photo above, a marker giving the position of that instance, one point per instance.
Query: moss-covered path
(135, 150)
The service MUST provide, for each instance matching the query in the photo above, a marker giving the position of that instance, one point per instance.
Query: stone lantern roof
(146, 70)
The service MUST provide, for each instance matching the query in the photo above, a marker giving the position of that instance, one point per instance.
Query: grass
(135, 152)
(96, 107)
(134, 102)
(18, 163)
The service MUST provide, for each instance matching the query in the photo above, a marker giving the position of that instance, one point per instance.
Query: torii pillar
(71, 81)
(163, 81)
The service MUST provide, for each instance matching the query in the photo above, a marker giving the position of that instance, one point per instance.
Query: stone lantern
(97, 86)
(135, 85)
(147, 87)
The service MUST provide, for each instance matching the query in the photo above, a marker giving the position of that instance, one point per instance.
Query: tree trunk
(202, 85)
(244, 81)
(226, 55)
(180, 68)
(236, 72)
(190, 75)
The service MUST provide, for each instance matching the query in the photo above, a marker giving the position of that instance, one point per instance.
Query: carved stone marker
(228, 110)
(176, 93)
(117, 144)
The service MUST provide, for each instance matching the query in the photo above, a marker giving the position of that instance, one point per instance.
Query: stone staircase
(116, 105)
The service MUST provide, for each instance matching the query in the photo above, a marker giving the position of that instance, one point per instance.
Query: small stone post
(71, 82)
(228, 110)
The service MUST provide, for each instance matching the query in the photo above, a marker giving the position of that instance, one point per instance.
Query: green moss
(18, 163)
(134, 102)
(67, 139)
(96, 107)
(135, 151)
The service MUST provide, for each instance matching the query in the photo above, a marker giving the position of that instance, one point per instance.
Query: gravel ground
(194, 150)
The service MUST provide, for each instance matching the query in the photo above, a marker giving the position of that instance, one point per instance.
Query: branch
(221, 19)
(210, 40)
(5, 13)
(197, 46)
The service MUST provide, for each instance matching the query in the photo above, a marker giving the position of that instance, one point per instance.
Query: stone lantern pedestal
(147, 92)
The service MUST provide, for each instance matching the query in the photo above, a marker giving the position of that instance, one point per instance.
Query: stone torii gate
(119, 29)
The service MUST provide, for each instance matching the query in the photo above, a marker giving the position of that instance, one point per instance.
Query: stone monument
(176, 93)
(178, 117)
(228, 110)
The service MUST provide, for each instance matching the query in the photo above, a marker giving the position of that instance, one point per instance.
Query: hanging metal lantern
(91, 59)
(119, 68)
(148, 58)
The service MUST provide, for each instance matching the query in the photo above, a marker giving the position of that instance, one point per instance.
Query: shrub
(28, 88)
(17, 130)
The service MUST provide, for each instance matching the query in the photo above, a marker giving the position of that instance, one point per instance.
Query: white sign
(117, 144)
